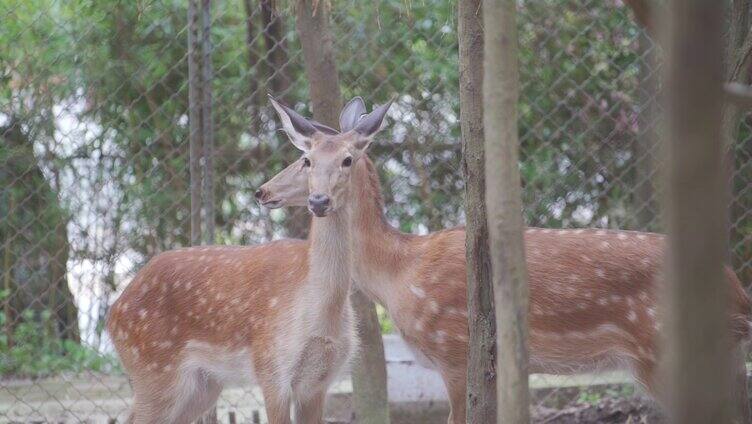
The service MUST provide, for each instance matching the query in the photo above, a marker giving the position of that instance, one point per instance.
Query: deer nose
(259, 194)
(318, 203)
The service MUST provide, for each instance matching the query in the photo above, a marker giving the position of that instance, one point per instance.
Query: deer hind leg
(457, 390)
(311, 409)
(646, 375)
(276, 403)
(174, 398)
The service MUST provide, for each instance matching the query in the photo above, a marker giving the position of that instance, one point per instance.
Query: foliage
(36, 351)
(100, 89)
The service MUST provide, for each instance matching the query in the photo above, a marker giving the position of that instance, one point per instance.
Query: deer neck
(329, 275)
(379, 251)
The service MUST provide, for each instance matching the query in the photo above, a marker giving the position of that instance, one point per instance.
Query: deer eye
(347, 161)
(306, 162)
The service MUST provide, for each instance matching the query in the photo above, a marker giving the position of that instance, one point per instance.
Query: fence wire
(94, 160)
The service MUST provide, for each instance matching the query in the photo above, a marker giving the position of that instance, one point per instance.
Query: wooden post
(504, 203)
(481, 374)
(369, 371)
(194, 119)
(699, 349)
(207, 124)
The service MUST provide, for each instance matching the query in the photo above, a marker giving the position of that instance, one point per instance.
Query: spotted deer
(195, 320)
(593, 293)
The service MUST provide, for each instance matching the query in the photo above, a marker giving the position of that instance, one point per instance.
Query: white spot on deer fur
(202, 300)
(545, 231)
(587, 294)
(582, 306)
(439, 336)
(651, 312)
(603, 301)
(579, 231)
(574, 278)
(188, 285)
(645, 262)
(142, 313)
(461, 337)
(644, 296)
(641, 236)
(174, 331)
(273, 302)
(235, 301)
(621, 236)
(615, 298)
(605, 245)
(586, 258)
(537, 310)
(167, 368)
(418, 326)
(434, 306)
(417, 291)
(600, 273)
(632, 315)
(531, 230)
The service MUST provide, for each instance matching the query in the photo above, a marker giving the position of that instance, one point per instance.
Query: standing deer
(194, 320)
(593, 293)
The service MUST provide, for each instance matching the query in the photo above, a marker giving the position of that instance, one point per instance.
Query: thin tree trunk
(699, 348)
(8, 272)
(254, 101)
(276, 53)
(644, 201)
(505, 224)
(369, 382)
(194, 118)
(481, 373)
(369, 371)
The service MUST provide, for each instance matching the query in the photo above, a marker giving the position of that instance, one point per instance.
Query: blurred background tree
(98, 91)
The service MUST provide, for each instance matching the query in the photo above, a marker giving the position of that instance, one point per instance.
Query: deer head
(290, 186)
(327, 157)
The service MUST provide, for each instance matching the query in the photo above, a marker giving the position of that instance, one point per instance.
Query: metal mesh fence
(94, 159)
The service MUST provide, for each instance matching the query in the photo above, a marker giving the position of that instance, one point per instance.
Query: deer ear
(351, 113)
(369, 125)
(298, 129)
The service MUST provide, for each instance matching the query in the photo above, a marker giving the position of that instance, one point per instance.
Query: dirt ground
(633, 409)
(629, 410)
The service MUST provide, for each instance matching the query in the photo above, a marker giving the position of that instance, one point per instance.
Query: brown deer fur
(592, 292)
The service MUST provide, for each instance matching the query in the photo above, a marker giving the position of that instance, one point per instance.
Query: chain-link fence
(95, 172)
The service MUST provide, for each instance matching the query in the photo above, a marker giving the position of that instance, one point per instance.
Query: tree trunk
(276, 53)
(481, 374)
(503, 194)
(369, 372)
(35, 246)
(697, 298)
(369, 382)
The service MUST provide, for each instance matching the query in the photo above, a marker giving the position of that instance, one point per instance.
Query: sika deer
(194, 320)
(592, 292)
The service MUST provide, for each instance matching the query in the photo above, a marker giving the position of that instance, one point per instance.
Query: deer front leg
(311, 409)
(740, 387)
(457, 390)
